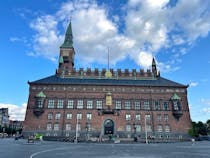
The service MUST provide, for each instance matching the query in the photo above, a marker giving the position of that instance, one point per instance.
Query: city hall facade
(88, 103)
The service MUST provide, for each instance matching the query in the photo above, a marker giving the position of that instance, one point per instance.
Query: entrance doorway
(108, 127)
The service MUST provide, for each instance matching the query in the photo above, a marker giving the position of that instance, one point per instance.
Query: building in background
(95, 103)
(16, 125)
(4, 117)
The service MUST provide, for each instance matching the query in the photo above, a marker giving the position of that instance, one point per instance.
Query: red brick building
(106, 102)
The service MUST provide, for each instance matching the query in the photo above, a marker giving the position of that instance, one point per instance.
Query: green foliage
(199, 128)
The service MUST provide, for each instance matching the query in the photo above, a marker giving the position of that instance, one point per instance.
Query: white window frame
(127, 117)
(51, 104)
(89, 104)
(50, 116)
(118, 104)
(70, 104)
(137, 105)
(69, 116)
(99, 104)
(60, 103)
(127, 105)
(80, 104)
(49, 126)
(58, 116)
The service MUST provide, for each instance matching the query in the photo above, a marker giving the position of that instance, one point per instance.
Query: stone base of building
(152, 137)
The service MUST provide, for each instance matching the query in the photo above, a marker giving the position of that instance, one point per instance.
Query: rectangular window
(60, 104)
(50, 116)
(118, 104)
(159, 128)
(39, 103)
(89, 117)
(159, 118)
(149, 128)
(148, 117)
(79, 104)
(68, 127)
(56, 127)
(146, 105)
(138, 117)
(98, 104)
(166, 117)
(49, 127)
(79, 116)
(70, 104)
(167, 128)
(68, 116)
(57, 116)
(137, 105)
(89, 104)
(79, 127)
(157, 105)
(165, 105)
(127, 105)
(127, 117)
(51, 103)
(138, 128)
(128, 128)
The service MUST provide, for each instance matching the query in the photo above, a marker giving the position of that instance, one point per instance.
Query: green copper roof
(68, 41)
(175, 97)
(41, 95)
(61, 60)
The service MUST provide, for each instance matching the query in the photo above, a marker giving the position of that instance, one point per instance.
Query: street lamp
(76, 130)
(145, 124)
(134, 130)
(87, 131)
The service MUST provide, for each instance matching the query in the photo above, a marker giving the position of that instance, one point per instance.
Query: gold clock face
(65, 53)
(108, 74)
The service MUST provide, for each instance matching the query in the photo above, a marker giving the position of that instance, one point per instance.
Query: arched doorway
(108, 127)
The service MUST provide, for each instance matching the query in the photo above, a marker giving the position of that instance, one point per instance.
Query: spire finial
(68, 41)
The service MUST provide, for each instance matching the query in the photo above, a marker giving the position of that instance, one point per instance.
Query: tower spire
(68, 41)
(66, 58)
(154, 68)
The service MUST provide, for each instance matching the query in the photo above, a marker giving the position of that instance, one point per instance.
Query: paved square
(9, 148)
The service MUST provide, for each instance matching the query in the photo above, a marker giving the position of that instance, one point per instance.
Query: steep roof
(160, 81)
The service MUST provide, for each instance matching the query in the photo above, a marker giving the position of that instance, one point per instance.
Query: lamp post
(145, 124)
(76, 130)
(134, 130)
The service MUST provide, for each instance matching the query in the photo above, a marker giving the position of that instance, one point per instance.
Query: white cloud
(149, 27)
(206, 110)
(206, 105)
(15, 112)
(193, 84)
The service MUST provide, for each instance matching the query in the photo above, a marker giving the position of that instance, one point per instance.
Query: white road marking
(44, 151)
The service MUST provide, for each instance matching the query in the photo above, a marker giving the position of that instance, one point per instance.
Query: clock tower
(66, 58)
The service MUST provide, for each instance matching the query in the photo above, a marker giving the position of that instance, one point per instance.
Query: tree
(193, 131)
(208, 126)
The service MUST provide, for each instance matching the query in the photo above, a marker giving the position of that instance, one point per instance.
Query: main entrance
(108, 127)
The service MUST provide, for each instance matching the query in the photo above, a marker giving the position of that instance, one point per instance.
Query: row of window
(89, 117)
(68, 116)
(128, 128)
(98, 104)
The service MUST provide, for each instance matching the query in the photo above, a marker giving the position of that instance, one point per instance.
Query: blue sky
(175, 32)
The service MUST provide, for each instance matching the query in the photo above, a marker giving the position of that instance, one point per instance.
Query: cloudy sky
(175, 32)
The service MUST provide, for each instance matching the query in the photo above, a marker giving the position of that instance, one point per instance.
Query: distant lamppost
(87, 131)
(145, 124)
(76, 131)
(134, 130)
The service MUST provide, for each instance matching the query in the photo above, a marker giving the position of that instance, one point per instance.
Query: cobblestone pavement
(10, 148)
